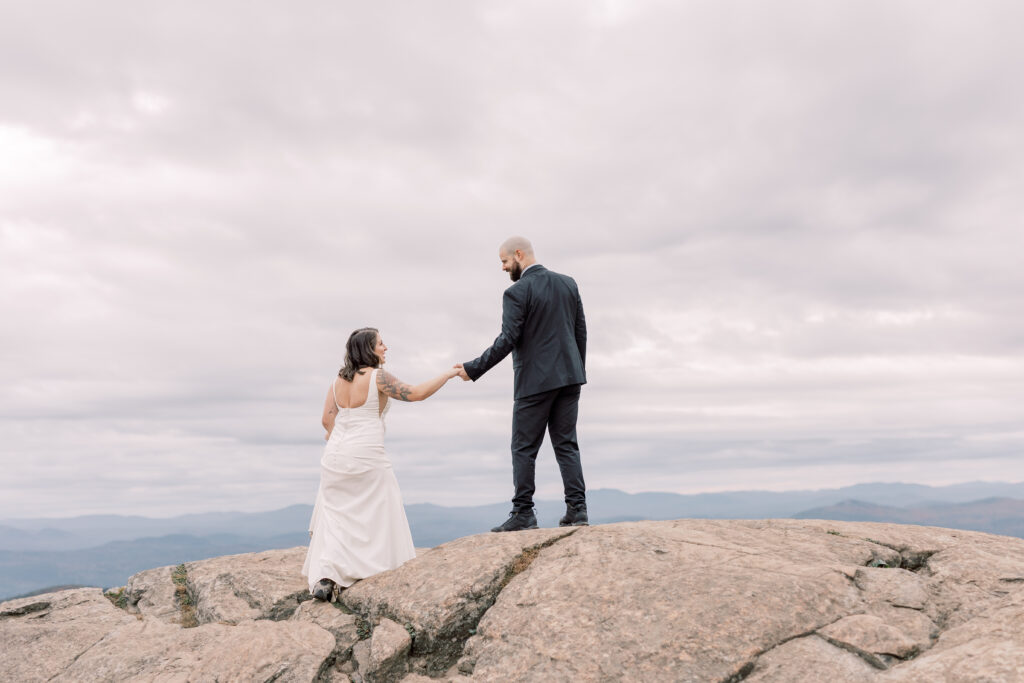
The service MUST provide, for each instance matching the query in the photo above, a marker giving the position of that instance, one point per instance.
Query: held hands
(456, 371)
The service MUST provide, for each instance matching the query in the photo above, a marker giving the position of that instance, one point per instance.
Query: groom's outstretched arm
(513, 314)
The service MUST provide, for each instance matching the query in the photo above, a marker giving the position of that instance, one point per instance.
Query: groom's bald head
(514, 244)
(516, 254)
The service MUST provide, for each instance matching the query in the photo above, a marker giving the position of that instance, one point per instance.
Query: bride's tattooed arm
(389, 385)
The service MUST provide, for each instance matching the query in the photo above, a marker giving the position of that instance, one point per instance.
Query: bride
(359, 527)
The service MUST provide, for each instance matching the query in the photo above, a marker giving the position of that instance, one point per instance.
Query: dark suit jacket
(542, 325)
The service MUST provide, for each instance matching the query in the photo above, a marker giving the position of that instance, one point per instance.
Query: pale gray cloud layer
(795, 225)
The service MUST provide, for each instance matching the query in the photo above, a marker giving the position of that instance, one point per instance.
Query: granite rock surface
(685, 600)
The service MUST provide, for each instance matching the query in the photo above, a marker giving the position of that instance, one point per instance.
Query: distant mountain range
(1004, 516)
(88, 531)
(104, 550)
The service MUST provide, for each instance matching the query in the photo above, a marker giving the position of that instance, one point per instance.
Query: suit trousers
(555, 410)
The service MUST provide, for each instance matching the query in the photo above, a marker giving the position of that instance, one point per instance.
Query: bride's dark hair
(359, 352)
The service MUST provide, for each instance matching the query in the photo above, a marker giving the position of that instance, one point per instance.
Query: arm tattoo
(391, 386)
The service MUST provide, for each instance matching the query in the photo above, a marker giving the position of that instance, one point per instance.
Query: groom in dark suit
(542, 325)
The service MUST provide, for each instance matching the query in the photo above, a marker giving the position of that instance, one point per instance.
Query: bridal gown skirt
(359, 527)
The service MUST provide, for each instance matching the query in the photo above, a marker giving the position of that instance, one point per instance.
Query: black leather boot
(517, 521)
(575, 515)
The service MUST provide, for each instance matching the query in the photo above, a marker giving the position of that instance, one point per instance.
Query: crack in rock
(521, 563)
(741, 674)
(748, 667)
(25, 609)
(916, 561)
(871, 638)
(285, 607)
(58, 676)
(241, 592)
(911, 560)
(517, 566)
(868, 657)
(738, 551)
(438, 650)
(184, 597)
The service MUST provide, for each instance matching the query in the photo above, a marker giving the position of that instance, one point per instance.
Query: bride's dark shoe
(324, 590)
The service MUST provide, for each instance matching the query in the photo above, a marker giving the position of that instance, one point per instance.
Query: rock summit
(687, 600)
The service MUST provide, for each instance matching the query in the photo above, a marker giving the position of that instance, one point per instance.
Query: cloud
(793, 226)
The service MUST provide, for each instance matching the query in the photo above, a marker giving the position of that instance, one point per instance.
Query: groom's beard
(515, 272)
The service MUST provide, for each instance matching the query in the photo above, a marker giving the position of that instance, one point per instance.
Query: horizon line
(637, 493)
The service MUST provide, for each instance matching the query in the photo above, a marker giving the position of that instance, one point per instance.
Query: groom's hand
(462, 372)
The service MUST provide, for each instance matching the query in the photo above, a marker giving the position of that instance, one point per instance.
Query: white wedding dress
(359, 527)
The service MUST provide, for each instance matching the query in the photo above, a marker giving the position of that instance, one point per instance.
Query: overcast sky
(796, 227)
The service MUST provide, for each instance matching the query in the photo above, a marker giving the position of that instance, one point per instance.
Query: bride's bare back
(345, 394)
(355, 393)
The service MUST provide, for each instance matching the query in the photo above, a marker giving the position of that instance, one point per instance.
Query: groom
(542, 325)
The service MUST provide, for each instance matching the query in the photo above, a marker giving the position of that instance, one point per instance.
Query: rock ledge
(685, 600)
